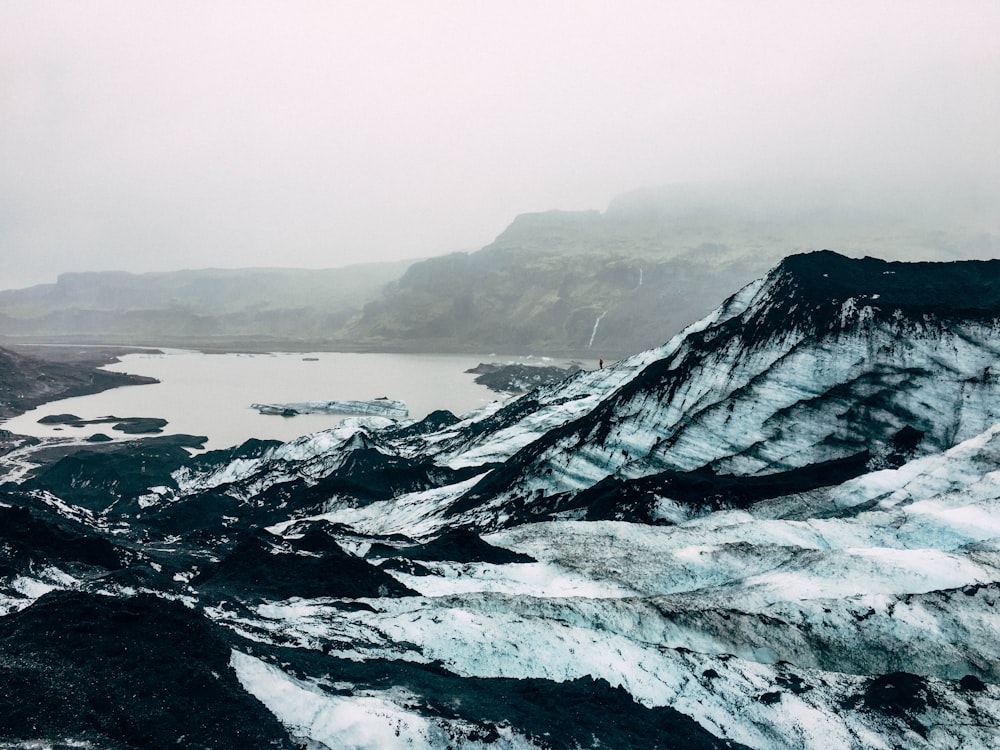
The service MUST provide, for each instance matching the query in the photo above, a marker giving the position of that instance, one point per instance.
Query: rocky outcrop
(513, 377)
(103, 671)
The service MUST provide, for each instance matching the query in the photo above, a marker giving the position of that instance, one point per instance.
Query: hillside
(614, 283)
(243, 308)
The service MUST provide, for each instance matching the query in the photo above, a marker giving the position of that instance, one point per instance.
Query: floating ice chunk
(382, 407)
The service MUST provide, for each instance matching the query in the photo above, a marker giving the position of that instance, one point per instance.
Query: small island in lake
(128, 425)
(517, 378)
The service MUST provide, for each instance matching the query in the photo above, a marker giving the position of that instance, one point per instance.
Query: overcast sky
(149, 136)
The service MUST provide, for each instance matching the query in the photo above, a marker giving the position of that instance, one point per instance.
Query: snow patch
(357, 721)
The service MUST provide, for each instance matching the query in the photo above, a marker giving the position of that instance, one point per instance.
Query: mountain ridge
(562, 283)
(761, 313)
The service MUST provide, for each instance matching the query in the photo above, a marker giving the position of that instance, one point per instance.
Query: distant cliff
(241, 308)
(614, 283)
(513, 299)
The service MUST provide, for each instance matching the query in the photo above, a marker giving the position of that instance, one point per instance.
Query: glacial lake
(210, 394)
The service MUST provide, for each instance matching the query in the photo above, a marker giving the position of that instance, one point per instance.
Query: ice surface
(355, 721)
(381, 407)
(768, 622)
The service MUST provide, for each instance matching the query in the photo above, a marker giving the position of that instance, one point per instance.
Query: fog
(160, 136)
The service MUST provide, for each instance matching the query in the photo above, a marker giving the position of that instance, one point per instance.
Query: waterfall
(594, 332)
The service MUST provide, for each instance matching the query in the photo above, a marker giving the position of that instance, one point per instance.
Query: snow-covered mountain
(781, 529)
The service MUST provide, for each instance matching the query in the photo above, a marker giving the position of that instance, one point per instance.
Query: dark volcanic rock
(26, 382)
(614, 498)
(591, 713)
(463, 545)
(579, 713)
(368, 474)
(972, 683)
(902, 695)
(128, 425)
(133, 579)
(27, 539)
(518, 378)
(124, 673)
(140, 425)
(201, 513)
(436, 420)
(100, 475)
(252, 448)
(898, 694)
(70, 419)
(263, 566)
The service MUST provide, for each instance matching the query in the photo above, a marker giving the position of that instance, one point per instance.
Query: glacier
(780, 529)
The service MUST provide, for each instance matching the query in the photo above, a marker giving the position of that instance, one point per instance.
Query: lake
(210, 394)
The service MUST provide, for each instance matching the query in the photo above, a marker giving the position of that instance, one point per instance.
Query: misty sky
(148, 136)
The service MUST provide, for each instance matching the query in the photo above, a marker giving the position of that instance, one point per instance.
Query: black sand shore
(34, 375)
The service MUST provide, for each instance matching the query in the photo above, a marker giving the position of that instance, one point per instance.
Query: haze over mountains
(591, 283)
(262, 307)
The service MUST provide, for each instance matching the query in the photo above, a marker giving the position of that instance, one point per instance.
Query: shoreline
(237, 345)
(82, 359)
(90, 355)
(28, 379)
(31, 380)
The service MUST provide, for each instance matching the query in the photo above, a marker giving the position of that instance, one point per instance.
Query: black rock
(263, 566)
(436, 420)
(99, 475)
(143, 672)
(60, 419)
(140, 425)
(634, 499)
(972, 683)
(578, 713)
(26, 538)
(518, 378)
(898, 694)
(464, 546)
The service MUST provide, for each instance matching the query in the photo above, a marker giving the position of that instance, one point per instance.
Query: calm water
(210, 394)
